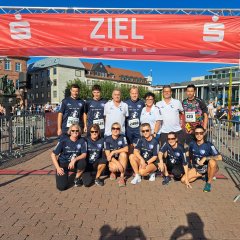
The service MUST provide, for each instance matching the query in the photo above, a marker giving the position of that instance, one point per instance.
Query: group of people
(168, 136)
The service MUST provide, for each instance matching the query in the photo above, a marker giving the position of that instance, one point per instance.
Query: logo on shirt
(78, 146)
(99, 146)
(119, 143)
(139, 106)
(97, 115)
(145, 155)
(79, 104)
(177, 154)
(202, 151)
(69, 104)
(102, 104)
(134, 115)
(150, 146)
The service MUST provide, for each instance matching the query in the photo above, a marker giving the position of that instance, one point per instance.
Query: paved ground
(32, 208)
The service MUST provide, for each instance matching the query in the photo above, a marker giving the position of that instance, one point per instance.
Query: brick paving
(32, 209)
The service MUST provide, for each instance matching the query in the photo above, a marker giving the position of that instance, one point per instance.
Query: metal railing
(18, 132)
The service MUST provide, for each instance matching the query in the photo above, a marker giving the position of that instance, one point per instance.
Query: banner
(51, 124)
(122, 36)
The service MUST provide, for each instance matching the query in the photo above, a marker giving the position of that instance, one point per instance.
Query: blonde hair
(76, 126)
(116, 123)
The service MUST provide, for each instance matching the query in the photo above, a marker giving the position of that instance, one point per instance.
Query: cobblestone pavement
(32, 208)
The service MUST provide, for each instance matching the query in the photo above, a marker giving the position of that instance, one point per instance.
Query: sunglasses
(74, 130)
(171, 139)
(149, 99)
(199, 133)
(93, 131)
(143, 131)
(113, 128)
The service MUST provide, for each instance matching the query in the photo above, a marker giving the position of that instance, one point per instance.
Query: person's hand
(202, 161)
(143, 164)
(188, 184)
(60, 171)
(109, 157)
(59, 132)
(72, 164)
(85, 129)
(160, 166)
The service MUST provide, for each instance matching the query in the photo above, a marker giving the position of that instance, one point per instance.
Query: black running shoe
(99, 182)
(78, 182)
(166, 180)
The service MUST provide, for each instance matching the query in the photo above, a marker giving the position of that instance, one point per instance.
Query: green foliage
(85, 91)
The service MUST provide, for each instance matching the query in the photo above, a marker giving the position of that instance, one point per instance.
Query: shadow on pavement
(234, 175)
(195, 228)
(130, 233)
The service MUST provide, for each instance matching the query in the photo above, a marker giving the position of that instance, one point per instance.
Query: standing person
(115, 111)
(96, 159)
(210, 108)
(195, 111)
(172, 159)
(170, 109)
(151, 114)
(116, 149)
(70, 153)
(2, 110)
(135, 106)
(204, 157)
(144, 159)
(71, 111)
(94, 109)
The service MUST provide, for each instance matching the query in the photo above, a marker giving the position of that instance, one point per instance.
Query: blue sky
(163, 72)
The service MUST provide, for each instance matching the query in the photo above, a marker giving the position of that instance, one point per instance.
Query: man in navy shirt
(71, 111)
(144, 158)
(94, 109)
(172, 157)
(116, 149)
(135, 106)
(96, 159)
(70, 153)
(204, 157)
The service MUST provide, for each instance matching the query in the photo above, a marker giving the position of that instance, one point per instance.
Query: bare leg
(192, 175)
(123, 161)
(149, 169)
(212, 170)
(135, 163)
(100, 169)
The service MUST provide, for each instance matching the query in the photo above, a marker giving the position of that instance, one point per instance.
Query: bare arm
(205, 120)
(157, 126)
(59, 122)
(85, 122)
(60, 170)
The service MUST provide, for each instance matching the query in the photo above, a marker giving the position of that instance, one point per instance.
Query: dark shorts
(176, 170)
(156, 163)
(132, 136)
(180, 135)
(93, 166)
(79, 165)
(201, 169)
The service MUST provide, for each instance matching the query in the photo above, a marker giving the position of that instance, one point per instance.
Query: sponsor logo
(78, 146)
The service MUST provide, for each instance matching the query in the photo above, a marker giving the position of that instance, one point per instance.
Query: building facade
(214, 86)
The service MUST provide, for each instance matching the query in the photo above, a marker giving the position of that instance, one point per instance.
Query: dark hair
(191, 86)
(149, 94)
(96, 128)
(173, 133)
(167, 86)
(96, 87)
(74, 85)
(199, 127)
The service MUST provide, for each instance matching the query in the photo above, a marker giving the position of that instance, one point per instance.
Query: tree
(85, 91)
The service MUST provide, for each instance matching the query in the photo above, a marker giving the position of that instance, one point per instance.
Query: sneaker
(136, 179)
(152, 177)
(99, 182)
(113, 176)
(121, 182)
(78, 182)
(207, 187)
(166, 180)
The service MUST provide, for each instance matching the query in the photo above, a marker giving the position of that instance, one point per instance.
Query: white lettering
(214, 32)
(109, 28)
(118, 28)
(98, 25)
(134, 30)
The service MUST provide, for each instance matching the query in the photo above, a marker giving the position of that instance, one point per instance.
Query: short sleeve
(180, 106)
(214, 151)
(157, 113)
(156, 149)
(84, 146)
(138, 144)
(63, 107)
(106, 144)
(59, 148)
(164, 148)
(125, 143)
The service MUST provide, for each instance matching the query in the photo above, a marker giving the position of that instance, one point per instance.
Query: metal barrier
(17, 132)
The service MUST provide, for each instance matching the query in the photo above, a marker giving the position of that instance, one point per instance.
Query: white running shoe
(152, 177)
(136, 179)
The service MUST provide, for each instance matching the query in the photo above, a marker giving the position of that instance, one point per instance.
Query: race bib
(133, 123)
(99, 122)
(72, 120)
(190, 117)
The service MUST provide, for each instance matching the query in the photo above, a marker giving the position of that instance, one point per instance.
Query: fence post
(10, 131)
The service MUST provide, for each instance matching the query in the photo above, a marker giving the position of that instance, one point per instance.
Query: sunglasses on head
(74, 130)
(93, 131)
(199, 133)
(171, 139)
(114, 128)
(147, 130)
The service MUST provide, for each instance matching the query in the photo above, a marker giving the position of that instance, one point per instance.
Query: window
(18, 67)
(54, 71)
(36, 85)
(55, 82)
(49, 94)
(89, 82)
(42, 95)
(48, 83)
(36, 95)
(42, 74)
(36, 76)
(78, 73)
(7, 65)
(48, 72)
(54, 94)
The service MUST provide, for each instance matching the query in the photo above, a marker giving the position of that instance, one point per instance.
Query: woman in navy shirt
(70, 153)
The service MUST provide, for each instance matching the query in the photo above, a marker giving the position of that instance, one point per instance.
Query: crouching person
(172, 159)
(116, 149)
(204, 157)
(70, 153)
(96, 160)
(144, 159)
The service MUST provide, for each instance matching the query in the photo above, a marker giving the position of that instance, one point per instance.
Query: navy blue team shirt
(148, 149)
(94, 149)
(72, 110)
(134, 109)
(175, 155)
(196, 152)
(69, 149)
(94, 110)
